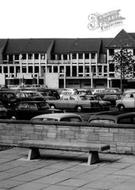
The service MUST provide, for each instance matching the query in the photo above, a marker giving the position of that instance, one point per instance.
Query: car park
(74, 103)
(62, 117)
(113, 117)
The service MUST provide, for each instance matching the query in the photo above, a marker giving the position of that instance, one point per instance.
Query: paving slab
(59, 171)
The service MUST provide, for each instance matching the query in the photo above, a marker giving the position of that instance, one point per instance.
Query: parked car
(65, 117)
(116, 117)
(25, 110)
(127, 101)
(49, 94)
(104, 104)
(8, 98)
(84, 91)
(69, 92)
(111, 98)
(74, 103)
(31, 95)
(3, 112)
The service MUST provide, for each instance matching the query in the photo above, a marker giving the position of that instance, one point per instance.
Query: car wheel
(79, 108)
(121, 107)
(52, 107)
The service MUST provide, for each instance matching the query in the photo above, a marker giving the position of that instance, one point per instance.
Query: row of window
(54, 69)
(11, 57)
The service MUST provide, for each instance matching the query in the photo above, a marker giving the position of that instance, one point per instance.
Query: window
(74, 56)
(80, 69)
(11, 70)
(16, 56)
(80, 55)
(65, 56)
(36, 69)
(5, 70)
(53, 56)
(30, 69)
(58, 57)
(55, 69)
(86, 55)
(5, 57)
(23, 69)
(111, 52)
(67, 71)
(105, 69)
(133, 51)
(17, 69)
(102, 121)
(42, 56)
(86, 69)
(61, 69)
(111, 68)
(23, 56)
(36, 56)
(93, 55)
(125, 120)
(30, 56)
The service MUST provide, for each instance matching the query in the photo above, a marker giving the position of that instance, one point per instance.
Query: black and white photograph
(67, 95)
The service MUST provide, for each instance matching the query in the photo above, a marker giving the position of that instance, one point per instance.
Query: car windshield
(107, 121)
(83, 98)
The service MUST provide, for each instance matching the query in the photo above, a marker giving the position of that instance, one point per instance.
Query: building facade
(78, 63)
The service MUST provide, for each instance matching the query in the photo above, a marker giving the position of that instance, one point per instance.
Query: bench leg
(33, 154)
(93, 157)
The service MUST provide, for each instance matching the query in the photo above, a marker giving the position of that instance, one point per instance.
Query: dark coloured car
(25, 110)
(8, 98)
(49, 94)
(113, 117)
(3, 112)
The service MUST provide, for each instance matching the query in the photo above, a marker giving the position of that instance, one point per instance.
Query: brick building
(80, 63)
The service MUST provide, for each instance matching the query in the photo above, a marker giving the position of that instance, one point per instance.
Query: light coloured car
(65, 117)
(74, 103)
(127, 101)
(69, 91)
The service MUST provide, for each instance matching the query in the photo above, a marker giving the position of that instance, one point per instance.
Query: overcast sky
(60, 18)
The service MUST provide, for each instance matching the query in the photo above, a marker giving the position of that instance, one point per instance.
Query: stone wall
(121, 138)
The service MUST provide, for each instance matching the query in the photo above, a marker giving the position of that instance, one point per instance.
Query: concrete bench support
(33, 154)
(93, 157)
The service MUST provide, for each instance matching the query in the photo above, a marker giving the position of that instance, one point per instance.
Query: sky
(61, 18)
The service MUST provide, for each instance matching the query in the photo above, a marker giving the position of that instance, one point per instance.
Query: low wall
(121, 138)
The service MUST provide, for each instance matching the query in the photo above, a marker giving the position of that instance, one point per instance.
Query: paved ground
(65, 171)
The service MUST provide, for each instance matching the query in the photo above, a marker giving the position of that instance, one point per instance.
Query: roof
(27, 46)
(111, 115)
(122, 40)
(77, 45)
(56, 115)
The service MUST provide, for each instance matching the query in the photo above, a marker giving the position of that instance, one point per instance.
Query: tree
(124, 64)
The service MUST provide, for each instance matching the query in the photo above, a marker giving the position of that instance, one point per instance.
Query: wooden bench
(34, 146)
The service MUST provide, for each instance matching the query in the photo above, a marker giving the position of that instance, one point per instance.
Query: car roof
(111, 115)
(57, 115)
